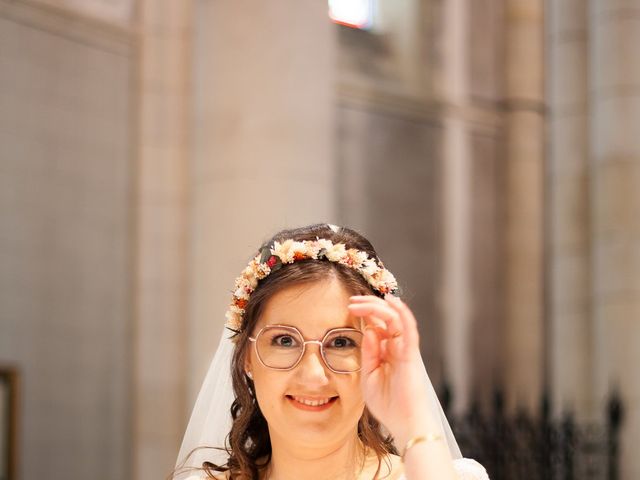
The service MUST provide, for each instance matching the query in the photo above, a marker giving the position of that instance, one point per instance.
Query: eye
(283, 341)
(341, 342)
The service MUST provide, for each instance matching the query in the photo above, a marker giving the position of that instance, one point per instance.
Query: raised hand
(392, 375)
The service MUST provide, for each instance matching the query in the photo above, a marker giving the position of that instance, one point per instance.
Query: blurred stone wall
(66, 177)
(398, 135)
(594, 204)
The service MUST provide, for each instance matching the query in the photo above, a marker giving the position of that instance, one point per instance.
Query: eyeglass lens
(282, 347)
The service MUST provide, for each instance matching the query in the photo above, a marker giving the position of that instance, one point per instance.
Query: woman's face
(312, 308)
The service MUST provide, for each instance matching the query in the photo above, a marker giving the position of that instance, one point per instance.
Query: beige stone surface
(618, 346)
(566, 19)
(486, 61)
(569, 255)
(523, 40)
(487, 264)
(615, 125)
(571, 357)
(569, 276)
(117, 11)
(616, 263)
(618, 31)
(569, 215)
(615, 149)
(388, 58)
(616, 203)
(65, 244)
(524, 150)
(614, 6)
(162, 237)
(568, 86)
(568, 143)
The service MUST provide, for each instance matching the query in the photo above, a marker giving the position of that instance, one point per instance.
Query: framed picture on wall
(8, 422)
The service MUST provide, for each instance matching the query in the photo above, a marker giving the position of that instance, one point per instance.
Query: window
(352, 13)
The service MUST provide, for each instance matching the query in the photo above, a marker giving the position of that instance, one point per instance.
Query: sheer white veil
(211, 421)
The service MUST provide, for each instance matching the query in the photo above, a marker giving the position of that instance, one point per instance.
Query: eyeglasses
(281, 347)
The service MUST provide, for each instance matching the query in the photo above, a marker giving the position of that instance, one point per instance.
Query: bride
(321, 375)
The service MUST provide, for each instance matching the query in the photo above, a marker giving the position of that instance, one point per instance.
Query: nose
(312, 369)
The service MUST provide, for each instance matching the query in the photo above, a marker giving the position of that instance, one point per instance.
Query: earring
(249, 374)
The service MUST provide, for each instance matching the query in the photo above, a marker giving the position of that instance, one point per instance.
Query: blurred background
(490, 149)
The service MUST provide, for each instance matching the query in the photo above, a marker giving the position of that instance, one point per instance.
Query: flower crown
(289, 251)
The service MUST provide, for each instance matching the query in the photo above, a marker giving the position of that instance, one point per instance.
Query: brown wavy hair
(248, 444)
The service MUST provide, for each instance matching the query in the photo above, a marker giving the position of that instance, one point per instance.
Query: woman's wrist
(432, 437)
(414, 427)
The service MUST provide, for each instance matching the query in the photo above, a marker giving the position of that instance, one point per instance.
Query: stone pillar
(615, 211)
(263, 140)
(160, 279)
(524, 145)
(569, 271)
(456, 201)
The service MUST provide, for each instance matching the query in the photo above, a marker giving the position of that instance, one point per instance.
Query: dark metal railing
(538, 446)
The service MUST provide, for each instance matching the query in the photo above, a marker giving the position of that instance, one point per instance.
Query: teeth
(312, 403)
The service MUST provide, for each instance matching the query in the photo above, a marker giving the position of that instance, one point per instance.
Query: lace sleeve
(468, 469)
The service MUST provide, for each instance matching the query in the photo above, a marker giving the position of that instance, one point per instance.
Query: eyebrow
(346, 327)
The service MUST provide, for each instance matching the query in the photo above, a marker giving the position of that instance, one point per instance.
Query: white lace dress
(466, 468)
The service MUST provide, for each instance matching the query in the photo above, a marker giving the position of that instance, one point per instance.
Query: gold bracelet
(433, 437)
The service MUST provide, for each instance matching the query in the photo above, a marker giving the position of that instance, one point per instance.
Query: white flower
(299, 248)
(234, 318)
(388, 278)
(336, 253)
(323, 243)
(244, 290)
(369, 267)
(284, 251)
(313, 249)
(357, 257)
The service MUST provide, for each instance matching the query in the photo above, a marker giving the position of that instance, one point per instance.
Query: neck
(343, 460)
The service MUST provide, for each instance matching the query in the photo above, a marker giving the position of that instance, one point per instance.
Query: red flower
(240, 303)
(272, 261)
(299, 256)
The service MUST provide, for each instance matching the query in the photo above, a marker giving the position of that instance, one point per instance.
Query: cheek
(351, 393)
(269, 387)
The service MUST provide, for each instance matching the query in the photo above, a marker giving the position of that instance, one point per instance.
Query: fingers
(370, 350)
(374, 310)
(409, 323)
(395, 314)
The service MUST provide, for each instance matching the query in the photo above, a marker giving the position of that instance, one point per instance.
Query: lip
(311, 408)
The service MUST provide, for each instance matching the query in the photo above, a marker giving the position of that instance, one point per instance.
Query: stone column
(524, 329)
(160, 279)
(456, 201)
(263, 140)
(569, 271)
(615, 211)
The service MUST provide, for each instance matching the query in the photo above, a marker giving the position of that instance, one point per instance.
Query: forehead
(313, 308)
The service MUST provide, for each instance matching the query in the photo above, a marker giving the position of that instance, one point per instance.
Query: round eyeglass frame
(320, 344)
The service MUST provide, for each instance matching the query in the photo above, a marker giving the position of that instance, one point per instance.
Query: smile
(314, 404)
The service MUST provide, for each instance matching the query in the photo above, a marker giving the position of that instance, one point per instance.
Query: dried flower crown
(289, 251)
